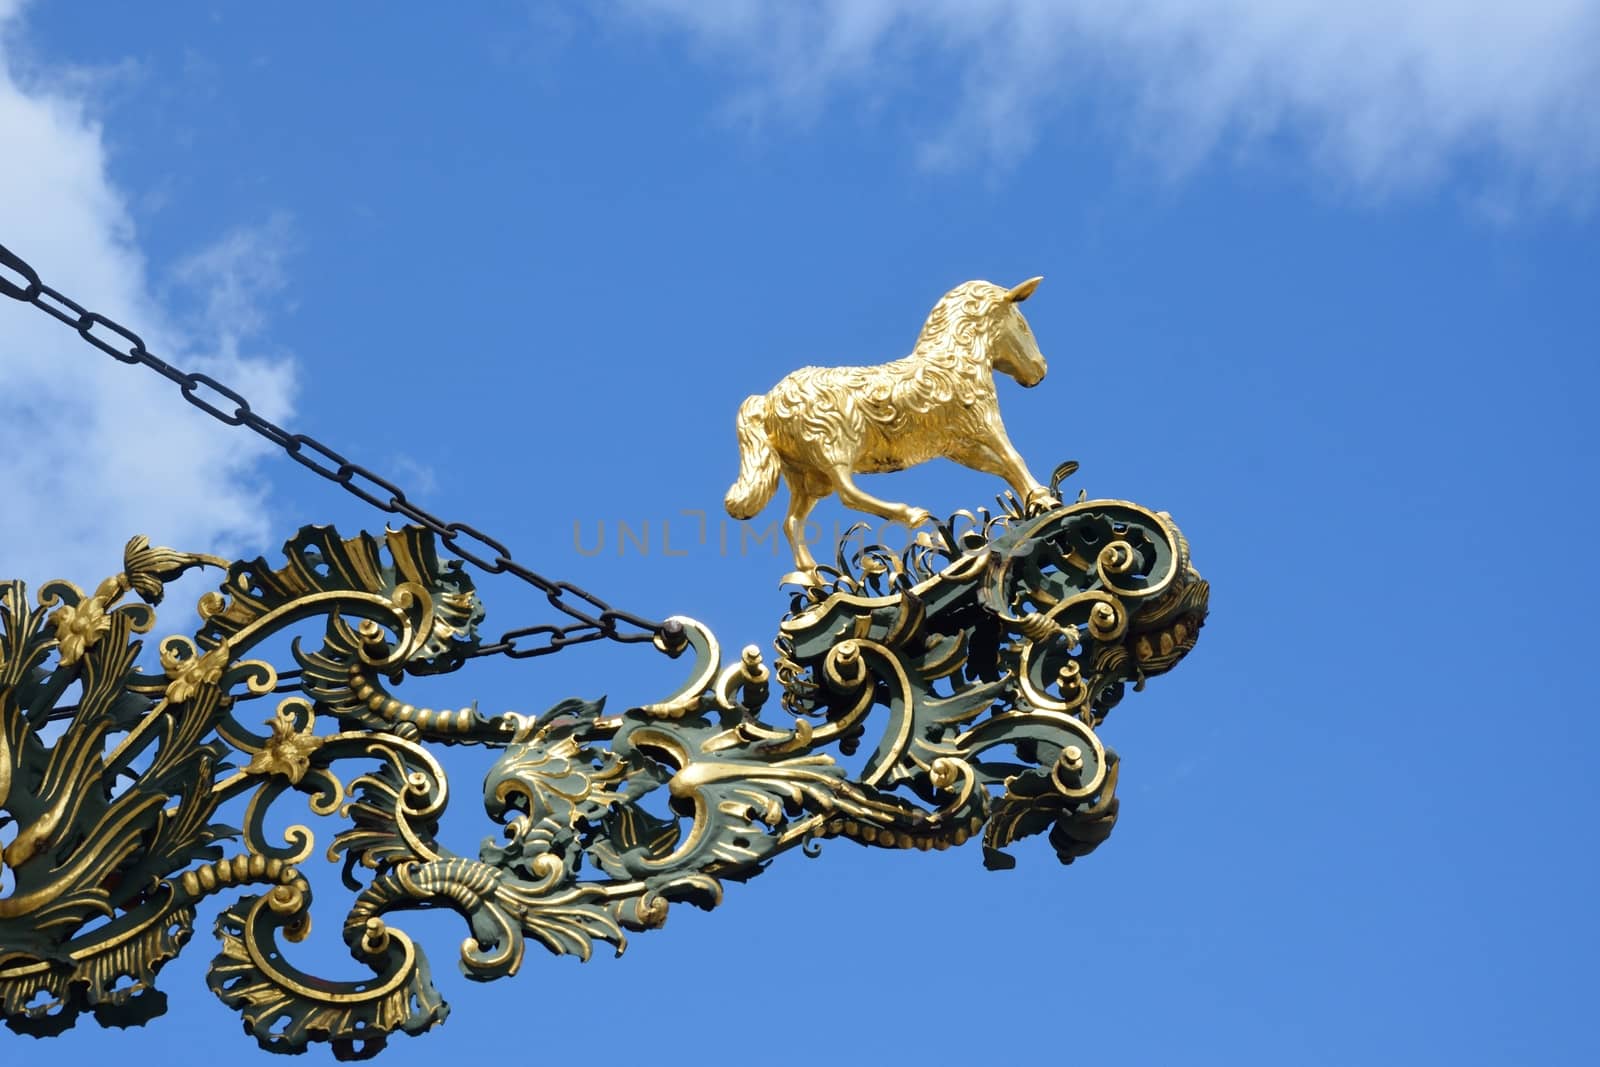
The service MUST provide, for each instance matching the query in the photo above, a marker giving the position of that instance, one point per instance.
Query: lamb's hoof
(805, 578)
(1039, 502)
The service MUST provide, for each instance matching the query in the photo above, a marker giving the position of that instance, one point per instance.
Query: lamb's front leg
(997, 456)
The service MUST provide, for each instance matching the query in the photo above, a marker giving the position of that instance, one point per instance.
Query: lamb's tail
(758, 466)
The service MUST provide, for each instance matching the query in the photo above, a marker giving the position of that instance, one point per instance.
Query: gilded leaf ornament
(287, 751)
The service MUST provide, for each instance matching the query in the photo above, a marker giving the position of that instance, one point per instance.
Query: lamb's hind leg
(854, 497)
(802, 498)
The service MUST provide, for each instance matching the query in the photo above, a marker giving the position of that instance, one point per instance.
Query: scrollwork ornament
(992, 648)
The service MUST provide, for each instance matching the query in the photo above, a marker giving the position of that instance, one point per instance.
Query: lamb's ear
(1021, 292)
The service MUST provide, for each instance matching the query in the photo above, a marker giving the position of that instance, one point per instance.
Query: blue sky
(1323, 281)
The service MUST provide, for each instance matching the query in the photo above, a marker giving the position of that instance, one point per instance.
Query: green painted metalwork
(973, 670)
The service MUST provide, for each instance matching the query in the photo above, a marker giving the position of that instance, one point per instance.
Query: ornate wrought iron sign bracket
(974, 669)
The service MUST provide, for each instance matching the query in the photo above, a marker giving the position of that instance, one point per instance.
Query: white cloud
(94, 451)
(1386, 95)
(234, 273)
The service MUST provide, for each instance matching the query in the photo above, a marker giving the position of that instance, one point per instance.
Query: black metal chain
(594, 618)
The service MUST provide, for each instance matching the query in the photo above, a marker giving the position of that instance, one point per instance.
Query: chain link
(594, 619)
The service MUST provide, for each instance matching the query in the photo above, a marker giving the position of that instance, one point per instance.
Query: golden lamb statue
(822, 425)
